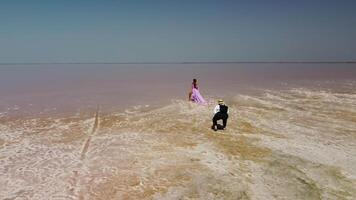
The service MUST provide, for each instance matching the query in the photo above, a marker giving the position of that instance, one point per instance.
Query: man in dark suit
(221, 111)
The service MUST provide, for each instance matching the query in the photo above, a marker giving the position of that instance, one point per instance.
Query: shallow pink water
(61, 88)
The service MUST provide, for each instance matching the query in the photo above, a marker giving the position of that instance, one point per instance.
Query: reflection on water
(296, 143)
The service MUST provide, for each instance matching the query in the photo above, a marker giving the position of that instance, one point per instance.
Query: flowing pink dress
(196, 96)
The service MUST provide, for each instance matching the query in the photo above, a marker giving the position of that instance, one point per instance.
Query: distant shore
(215, 62)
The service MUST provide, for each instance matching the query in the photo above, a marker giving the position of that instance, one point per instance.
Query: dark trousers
(219, 116)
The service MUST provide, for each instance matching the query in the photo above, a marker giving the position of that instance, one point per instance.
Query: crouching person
(221, 112)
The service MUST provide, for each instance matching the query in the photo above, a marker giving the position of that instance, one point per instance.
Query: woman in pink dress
(195, 95)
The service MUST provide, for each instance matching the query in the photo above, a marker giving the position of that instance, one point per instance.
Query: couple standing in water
(220, 111)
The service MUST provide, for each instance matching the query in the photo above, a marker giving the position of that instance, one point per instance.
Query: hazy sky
(175, 31)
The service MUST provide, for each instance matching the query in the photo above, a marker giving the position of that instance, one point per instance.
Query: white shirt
(217, 109)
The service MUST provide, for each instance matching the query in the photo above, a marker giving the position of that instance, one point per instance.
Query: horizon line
(184, 62)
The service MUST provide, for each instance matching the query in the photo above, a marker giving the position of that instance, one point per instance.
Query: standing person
(221, 111)
(195, 95)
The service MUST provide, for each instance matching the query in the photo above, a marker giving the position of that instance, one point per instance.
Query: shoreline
(182, 63)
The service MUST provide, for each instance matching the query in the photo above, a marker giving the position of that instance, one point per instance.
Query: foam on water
(285, 144)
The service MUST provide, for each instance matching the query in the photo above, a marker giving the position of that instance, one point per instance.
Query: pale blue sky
(176, 31)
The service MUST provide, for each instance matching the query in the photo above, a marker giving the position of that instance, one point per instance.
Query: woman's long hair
(195, 83)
